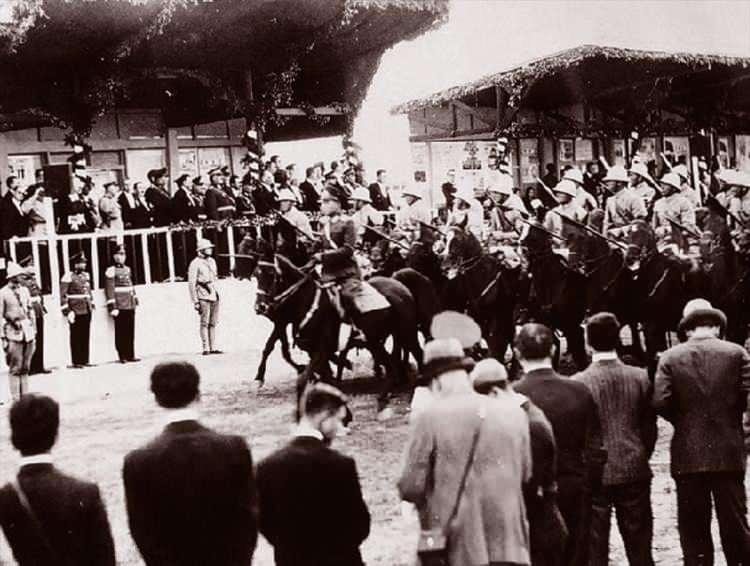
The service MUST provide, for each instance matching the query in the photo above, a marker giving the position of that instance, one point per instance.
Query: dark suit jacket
(191, 499)
(161, 206)
(570, 409)
(701, 387)
(310, 196)
(71, 514)
(264, 200)
(380, 200)
(12, 221)
(311, 506)
(182, 208)
(137, 216)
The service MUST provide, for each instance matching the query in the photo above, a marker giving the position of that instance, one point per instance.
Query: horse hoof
(385, 414)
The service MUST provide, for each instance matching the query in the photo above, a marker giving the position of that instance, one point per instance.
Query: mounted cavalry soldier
(121, 304)
(365, 214)
(687, 191)
(467, 212)
(673, 206)
(624, 207)
(583, 198)
(739, 201)
(339, 267)
(415, 211)
(507, 210)
(291, 226)
(565, 192)
(642, 183)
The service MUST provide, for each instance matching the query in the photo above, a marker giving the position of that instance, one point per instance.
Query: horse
(308, 304)
(557, 293)
(480, 285)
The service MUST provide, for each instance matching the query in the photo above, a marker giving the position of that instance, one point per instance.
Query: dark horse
(482, 287)
(558, 293)
(310, 307)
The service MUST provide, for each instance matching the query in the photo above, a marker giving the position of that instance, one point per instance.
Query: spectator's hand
(115, 312)
(71, 317)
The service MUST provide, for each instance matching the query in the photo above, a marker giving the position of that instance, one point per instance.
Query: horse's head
(535, 240)
(247, 257)
(267, 273)
(460, 246)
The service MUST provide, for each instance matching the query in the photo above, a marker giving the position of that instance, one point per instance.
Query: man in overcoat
(701, 387)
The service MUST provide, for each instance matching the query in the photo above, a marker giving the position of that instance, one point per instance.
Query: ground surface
(107, 411)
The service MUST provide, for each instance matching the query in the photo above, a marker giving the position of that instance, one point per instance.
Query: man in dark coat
(49, 517)
(623, 397)
(190, 493)
(184, 207)
(701, 387)
(310, 196)
(158, 198)
(379, 193)
(570, 409)
(219, 205)
(13, 222)
(311, 506)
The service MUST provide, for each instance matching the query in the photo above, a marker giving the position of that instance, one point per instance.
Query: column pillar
(173, 157)
(4, 168)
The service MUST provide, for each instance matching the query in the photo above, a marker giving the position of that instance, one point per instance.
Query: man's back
(570, 409)
(191, 498)
(312, 510)
(70, 512)
(701, 387)
(623, 396)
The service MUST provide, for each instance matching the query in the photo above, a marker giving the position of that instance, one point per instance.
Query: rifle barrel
(387, 238)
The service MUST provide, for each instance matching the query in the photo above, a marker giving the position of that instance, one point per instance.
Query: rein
(608, 286)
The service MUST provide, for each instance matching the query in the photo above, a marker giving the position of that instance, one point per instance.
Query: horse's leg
(286, 353)
(303, 379)
(577, 346)
(656, 342)
(381, 356)
(342, 356)
(267, 349)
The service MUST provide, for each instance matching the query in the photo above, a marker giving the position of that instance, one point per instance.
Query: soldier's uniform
(219, 205)
(37, 304)
(623, 209)
(339, 266)
(739, 205)
(202, 278)
(121, 304)
(77, 303)
(556, 225)
(675, 207)
(72, 215)
(17, 331)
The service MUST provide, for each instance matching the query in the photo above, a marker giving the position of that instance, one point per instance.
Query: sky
(487, 36)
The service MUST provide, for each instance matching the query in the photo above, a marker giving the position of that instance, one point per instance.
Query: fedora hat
(700, 312)
(441, 356)
(617, 173)
(14, 270)
(204, 244)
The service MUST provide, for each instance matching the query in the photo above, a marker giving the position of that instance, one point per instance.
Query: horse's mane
(467, 244)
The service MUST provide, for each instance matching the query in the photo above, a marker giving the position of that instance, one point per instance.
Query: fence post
(35, 259)
(146, 259)
(65, 254)
(54, 267)
(170, 255)
(95, 261)
(230, 245)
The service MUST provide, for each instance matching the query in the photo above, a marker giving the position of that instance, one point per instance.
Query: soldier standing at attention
(202, 277)
(77, 304)
(37, 303)
(121, 303)
(16, 330)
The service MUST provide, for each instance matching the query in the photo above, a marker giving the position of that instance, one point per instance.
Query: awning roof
(67, 62)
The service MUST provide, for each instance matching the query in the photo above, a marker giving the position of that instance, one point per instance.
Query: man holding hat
(547, 531)
(643, 184)
(17, 330)
(37, 303)
(121, 304)
(623, 207)
(378, 191)
(672, 206)
(202, 278)
(184, 206)
(158, 198)
(483, 439)
(77, 304)
(565, 192)
(701, 387)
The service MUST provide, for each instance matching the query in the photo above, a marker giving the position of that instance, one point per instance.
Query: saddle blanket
(363, 296)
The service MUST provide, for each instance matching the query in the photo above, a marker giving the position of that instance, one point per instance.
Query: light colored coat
(202, 277)
(17, 318)
(622, 209)
(111, 214)
(491, 523)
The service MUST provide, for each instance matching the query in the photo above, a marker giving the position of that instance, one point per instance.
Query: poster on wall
(566, 152)
(722, 151)
(618, 151)
(419, 162)
(584, 150)
(529, 160)
(647, 150)
(188, 162)
(211, 158)
(469, 159)
(677, 149)
(743, 152)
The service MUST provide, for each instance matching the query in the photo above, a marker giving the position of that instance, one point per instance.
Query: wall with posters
(470, 160)
(743, 152)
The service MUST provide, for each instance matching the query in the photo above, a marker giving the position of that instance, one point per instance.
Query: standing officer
(202, 277)
(219, 205)
(121, 303)
(77, 305)
(16, 330)
(37, 303)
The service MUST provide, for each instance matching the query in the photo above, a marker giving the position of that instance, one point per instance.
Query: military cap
(198, 180)
(182, 178)
(79, 257)
(156, 174)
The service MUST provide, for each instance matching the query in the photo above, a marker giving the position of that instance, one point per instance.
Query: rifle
(590, 230)
(546, 188)
(387, 238)
(532, 225)
(723, 210)
(684, 228)
(288, 223)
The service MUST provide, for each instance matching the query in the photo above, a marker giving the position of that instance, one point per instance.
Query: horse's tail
(425, 295)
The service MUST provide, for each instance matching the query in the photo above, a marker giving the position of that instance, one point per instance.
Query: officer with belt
(77, 304)
(17, 330)
(219, 205)
(121, 304)
(202, 278)
(37, 303)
